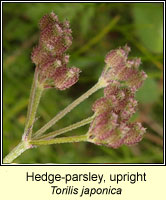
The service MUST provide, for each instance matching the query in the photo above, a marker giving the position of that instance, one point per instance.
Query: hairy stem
(61, 114)
(35, 95)
(80, 138)
(66, 129)
(17, 151)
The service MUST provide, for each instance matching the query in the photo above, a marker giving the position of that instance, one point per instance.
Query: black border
(85, 164)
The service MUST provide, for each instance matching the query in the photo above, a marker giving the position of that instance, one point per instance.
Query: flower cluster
(119, 67)
(111, 125)
(50, 55)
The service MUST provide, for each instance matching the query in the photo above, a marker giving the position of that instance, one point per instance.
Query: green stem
(32, 94)
(80, 138)
(35, 96)
(36, 92)
(18, 150)
(61, 114)
(66, 129)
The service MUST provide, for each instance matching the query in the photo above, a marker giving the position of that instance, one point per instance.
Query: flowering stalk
(66, 129)
(121, 78)
(51, 71)
(111, 126)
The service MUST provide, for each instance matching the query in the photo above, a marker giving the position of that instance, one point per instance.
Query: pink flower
(135, 133)
(111, 126)
(65, 77)
(50, 55)
(120, 68)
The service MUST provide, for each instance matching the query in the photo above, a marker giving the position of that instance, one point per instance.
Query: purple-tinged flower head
(119, 67)
(50, 54)
(116, 57)
(119, 97)
(54, 36)
(122, 79)
(111, 126)
(110, 100)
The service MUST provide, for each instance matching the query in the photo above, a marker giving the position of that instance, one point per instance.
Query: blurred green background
(97, 28)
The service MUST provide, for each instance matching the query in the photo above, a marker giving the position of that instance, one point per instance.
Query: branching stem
(66, 129)
(17, 151)
(61, 114)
